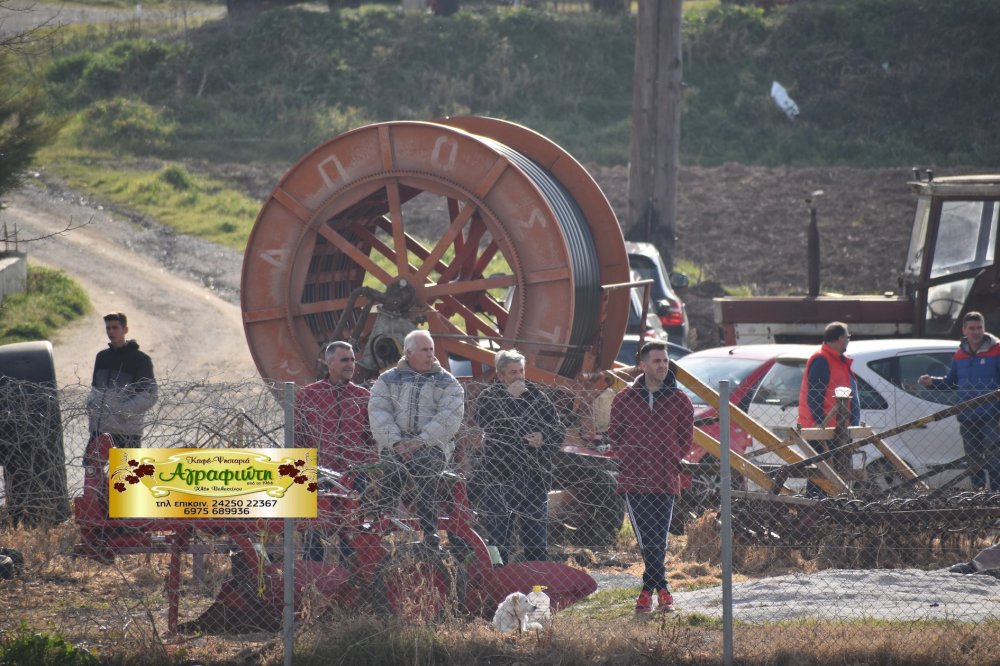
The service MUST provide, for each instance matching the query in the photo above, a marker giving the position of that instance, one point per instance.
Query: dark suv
(645, 259)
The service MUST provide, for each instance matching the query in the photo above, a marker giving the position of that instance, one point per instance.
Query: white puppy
(512, 614)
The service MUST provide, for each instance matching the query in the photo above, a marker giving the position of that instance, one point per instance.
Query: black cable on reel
(583, 254)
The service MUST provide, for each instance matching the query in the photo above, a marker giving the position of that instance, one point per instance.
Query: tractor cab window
(966, 237)
(918, 239)
(966, 240)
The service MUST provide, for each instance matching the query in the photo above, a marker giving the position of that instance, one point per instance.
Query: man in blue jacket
(975, 370)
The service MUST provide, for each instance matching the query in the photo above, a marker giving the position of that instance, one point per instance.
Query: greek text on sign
(212, 483)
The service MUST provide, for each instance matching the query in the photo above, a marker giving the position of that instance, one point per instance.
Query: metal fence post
(288, 616)
(726, 496)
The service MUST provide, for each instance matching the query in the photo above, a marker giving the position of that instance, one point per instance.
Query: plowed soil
(746, 226)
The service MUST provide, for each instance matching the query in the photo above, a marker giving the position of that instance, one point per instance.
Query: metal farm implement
(859, 506)
(390, 570)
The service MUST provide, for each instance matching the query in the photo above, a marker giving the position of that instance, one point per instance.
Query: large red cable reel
(433, 222)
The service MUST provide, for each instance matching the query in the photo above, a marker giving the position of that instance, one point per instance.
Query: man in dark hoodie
(123, 388)
(975, 370)
(652, 429)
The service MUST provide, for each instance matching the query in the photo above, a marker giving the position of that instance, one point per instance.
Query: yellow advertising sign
(212, 483)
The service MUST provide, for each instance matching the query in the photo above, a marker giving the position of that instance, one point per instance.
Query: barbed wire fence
(880, 551)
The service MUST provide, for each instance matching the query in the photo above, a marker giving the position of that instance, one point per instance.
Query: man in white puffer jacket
(415, 410)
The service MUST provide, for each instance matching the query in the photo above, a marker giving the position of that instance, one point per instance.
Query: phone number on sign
(230, 507)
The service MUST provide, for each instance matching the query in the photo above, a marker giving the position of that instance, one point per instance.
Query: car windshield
(646, 269)
(713, 369)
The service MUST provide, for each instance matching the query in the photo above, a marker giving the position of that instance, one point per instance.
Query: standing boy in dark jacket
(652, 429)
(123, 387)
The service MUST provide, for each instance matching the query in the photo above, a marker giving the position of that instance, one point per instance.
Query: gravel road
(853, 594)
(181, 294)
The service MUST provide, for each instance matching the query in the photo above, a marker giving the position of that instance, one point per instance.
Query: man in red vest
(827, 370)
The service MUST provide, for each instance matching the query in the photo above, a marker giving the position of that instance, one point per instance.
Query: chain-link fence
(569, 487)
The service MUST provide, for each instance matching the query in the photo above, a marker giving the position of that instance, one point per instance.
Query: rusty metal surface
(802, 521)
(822, 309)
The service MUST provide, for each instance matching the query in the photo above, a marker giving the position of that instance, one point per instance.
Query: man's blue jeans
(981, 439)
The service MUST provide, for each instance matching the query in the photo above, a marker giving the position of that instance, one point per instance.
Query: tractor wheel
(31, 441)
(597, 511)
(11, 563)
(417, 584)
(701, 496)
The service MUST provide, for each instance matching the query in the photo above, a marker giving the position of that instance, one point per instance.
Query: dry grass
(658, 640)
(701, 544)
(117, 612)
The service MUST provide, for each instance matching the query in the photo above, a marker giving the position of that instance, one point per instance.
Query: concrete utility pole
(656, 126)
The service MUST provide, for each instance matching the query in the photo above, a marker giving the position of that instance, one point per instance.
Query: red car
(743, 367)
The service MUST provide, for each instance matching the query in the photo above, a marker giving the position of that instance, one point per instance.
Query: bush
(128, 68)
(24, 648)
(177, 177)
(129, 124)
(50, 300)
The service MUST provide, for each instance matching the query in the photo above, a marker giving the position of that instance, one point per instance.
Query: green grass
(146, 4)
(878, 82)
(50, 300)
(189, 203)
(697, 8)
(24, 647)
(162, 20)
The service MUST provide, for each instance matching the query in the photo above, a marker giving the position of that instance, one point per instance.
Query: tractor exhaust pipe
(812, 253)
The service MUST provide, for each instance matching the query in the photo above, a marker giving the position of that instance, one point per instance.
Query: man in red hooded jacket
(651, 430)
(331, 415)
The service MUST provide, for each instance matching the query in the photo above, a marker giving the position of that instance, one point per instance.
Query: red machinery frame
(376, 577)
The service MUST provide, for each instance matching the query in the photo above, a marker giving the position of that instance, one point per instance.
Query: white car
(887, 372)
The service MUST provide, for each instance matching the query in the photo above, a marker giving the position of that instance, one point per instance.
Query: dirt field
(746, 226)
